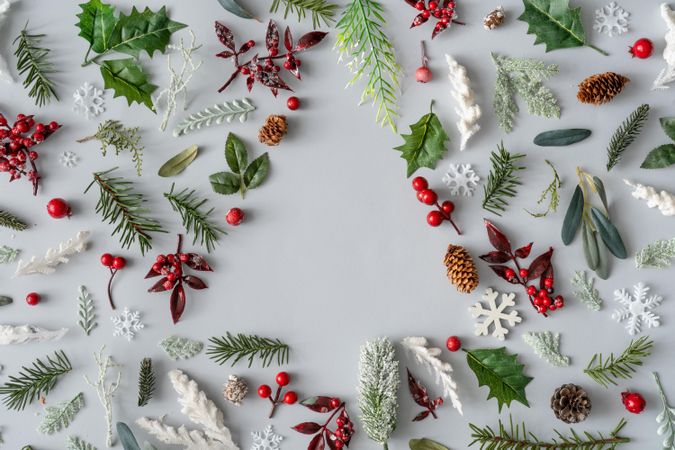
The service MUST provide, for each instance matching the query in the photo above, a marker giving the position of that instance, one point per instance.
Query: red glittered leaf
(275, 91)
(225, 35)
(317, 443)
(421, 416)
(330, 439)
(272, 79)
(501, 271)
(495, 257)
(497, 238)
(151, 273)
(539, 265)
(319, 404)
(437, 31)
(194, 282)
(307, 427)
(296, 72)
(411, 2)
(177, 304)
(225, 54)
(524, 251)
(249, 83)
(418, 20)
(310, 40)
(197, 262)
(288, 39)
(159, 286)
(272, 35)
(419, 392)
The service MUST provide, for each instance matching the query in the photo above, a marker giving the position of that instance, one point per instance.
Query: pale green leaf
(177, 347)
(425, 444)
(75, 443)
(8, 254)
(587, 293)
(178, 163)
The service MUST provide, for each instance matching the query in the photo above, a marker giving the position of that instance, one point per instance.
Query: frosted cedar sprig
(33, 63)
(236, 347)
(60, 416)
(146, 382)
(9, 220)
(552, 191)
(112, 133)
(502, 180)
(626, 134)
(319, 10)
(658, 254)
(606, 371)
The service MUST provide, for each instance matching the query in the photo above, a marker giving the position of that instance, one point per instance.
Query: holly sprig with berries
(337, 438)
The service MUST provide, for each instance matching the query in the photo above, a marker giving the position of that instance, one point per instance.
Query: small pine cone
(494, 19)
(461, 269)
(235, 390)
(273, 131)
(570, 403)
(601, 88)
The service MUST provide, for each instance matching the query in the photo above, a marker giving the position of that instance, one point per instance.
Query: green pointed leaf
(97, 21)
(225, 183)
(425, 444)
(257, 171)
(603, 263)
(127, 79)
(600, 189)
(501, 372)
(178, 163)
(560, 138)
(591, 252)
(668, 125)
(573, 216)
(127, 438)
(147, 30)
(425, 145)
(233, 7)
(5, 300)
(609, 234)
(235, 154)
(662, 156)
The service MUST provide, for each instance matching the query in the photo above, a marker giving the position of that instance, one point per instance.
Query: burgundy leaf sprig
(540, 268)
(323, 435)
(443, 10)
(264, 69)
(170, 268)
(421, 396)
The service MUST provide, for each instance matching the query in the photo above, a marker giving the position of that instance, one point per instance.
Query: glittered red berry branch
(443, 11)
(421, 396)
(429, 197)
(323, 435)
(290, 397)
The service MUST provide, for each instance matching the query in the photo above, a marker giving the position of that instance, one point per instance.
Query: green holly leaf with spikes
(96, 24)
(425, 145)
(127, 79)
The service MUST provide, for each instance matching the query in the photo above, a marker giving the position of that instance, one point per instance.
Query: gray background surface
(335, 249)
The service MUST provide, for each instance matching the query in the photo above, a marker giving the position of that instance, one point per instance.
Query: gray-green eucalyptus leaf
(573, 216)
(179, 163)
(609, 234)
(425, 444)
(560, 138)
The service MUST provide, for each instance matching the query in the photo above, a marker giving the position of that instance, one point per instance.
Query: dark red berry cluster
(289, 398)
(443, 10)
(16, 146)
(264, 69)
(323, 435)
(114, 264)
(429, 197)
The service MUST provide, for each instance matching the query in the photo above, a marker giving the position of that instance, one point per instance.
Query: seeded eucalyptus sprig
(31, 61)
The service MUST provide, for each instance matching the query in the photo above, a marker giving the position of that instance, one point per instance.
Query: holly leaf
(425, 145)
(127, 79)
(501, 372)
(97, 21)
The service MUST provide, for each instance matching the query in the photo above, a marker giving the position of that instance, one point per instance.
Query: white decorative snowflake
(495, 314)
(637, 309)
(461, 179)
(88, 101)
(127, 323)
(69, 159)
(266, 440)
(611, 19)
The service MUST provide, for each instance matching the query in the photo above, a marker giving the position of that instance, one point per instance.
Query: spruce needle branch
(9, 220)
(320, 10)
(32, 60)
(626, 134)
(239, 346)
(606, 371)
(502, 180)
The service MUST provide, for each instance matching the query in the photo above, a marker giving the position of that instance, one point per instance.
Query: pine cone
(461, 269)
(235, 390)
(570, 403)
(494, 19)
(273, 131)
(601, 88)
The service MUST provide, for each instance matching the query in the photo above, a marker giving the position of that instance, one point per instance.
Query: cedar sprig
(502, 180)
(195, 219)
(517, 437)
(33, 382)
(240, 346)
(626, 134)
(32, 61)
(320, 10)
(119, 203)
(606, 371)
(146, 382)
(112, 133)
(9, 220)
(552, 192)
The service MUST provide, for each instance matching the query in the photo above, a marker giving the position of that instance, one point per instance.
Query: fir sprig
(9, 220)
(195, 220)
(606, 371)
(625, 135)
(118, 203)
(112, 133)
(320, 10)
(240, 346)
(361, 39)
(146, 382)
(552, 191)
(502, 180)
(32, 382)
(31, 60)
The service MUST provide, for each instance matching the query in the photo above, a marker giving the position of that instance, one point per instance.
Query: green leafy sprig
(502, 180)
(319, 10)
(626, 134)
(244, 176)
(606, 371)
(552, 191)
(112, 133)
(663, 155)
(86, 311)
(425, 145)
(9, 220)
(239, 346)
(658, 254)
(146, 382)
(32, 61)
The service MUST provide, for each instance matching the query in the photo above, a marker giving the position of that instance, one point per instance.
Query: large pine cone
(601, 88)
(570, 403)
(461, 269)
(273, 131)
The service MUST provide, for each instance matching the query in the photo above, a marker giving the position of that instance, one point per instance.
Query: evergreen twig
(32, 61)
(146, 382)
(626, 134)
(502, 180)
(240, 346)
(9, 220)
(320, 10)
(658, 254)
(61, 415)
(552, 191)
(605, 371)
(32, 382)
(112, 133)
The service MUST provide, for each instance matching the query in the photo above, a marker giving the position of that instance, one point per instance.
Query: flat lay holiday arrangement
(306, 224)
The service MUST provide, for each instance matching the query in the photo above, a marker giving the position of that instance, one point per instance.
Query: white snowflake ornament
(266, 439)
(88, 101)
(495, 314)
(636, 309)
(127, 323)
(461, 179)
(69, 159)
(611, 19)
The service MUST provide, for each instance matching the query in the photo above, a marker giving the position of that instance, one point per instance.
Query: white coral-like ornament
(468, 111)
(664, 201)
(53, 257)
(667, 75)
(22, 334)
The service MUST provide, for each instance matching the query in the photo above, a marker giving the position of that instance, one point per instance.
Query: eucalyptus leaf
(5, 300)
(425, 444)
(600, 188)
(662, 156)
(609, 234)
(127, 438)
(573, 216)
(560, 138)
(603, 259)
(179, 163)
(233, 7)
(225, 183)
(257, 172)
(668, 125)
(590, 246)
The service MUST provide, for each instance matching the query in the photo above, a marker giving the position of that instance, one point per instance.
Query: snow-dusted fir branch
(86, 311)
(658, 254)
(664, 201)
(178, 80)
(8, 254)
(667, 75)
(21, 334)
(61, 415)
(468, 111)
(587, 293)
(104, 390)
(428, 357)
(201, 411)
(223, 112)
(54, 257)
(378, 389)
(546, 345)
(177, 347)
(75, 443)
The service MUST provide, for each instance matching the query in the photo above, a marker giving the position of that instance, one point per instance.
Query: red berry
(448, 207)
(264, 391)
(433, 5)
(58, 208)
(184, 257)
(335, 402)
(157, 267)
(548, 282)
(234, 216)
(53, 126)
(283, 379)
(22, 127)
(537, 301)
(107, 259)
(288, 65)
(426, 14)
(290, 397)
(293, 103)
(161, 259)
(274, 52)
(633, 402)
(542, 293)
(420, 183)
(171, 276)
(119, 263)
(552, 308)
(33, 155)
(168, 285)
(338, 443)
(429, 197)
(524, 273)
(171, 258)
(541, 309)
(250, 43)
(531, 290)
(453, 343)
(435, 218)
(423, 74)
(419, 6)
(419, 194)
(559, 301)
(510, 274)
(33, 298)
(546, 301)
(641, 49)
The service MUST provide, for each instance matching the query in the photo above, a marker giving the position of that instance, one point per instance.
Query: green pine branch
(31, 61)
(9, 220)
(320, 10)
(112, 133)
(240, 346)
(606, 371)
(195, 220)
(33, 382)
(119, 204)
(502, 180)
(146, 382)
(552, 191)
(626, 134)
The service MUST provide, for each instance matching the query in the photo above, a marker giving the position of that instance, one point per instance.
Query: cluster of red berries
(58, 208)
(345, 427)
(429, 197)
(170, 266)
(324, 437)
(642, 48)
(16, 143)
(290, 397)
(541, 298)
(33, 298)
(633, 402)
(114, 264)
(443, 10)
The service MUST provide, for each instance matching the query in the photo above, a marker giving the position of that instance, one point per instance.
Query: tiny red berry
(453, 343)
(419, 6)
(33, 298)
(235, 216)
(546, 301)
(283, 378)
(293, 103)
(559, 301)
(552, 308)
(161, 259)
(433, 5)
(548, 282)
(642, 48)
(634, 402)
(426, 14)
(423, 74)
(429, 197)
(167, 285)
(420, 195)
(510, 274)
(58, 208)
(335, 402)
(184, 257)
(524, 273)
(420, 183)
(541, 309)
(338, 443)
(264, 391)
(448, 207)
(435, 218)
(119, 263)
(290, 397)
(542, 293)
(107, 259)
(531, 290)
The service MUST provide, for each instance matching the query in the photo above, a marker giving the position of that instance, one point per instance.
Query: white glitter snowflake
(637, 309)
(69, 159)
(88, 101)
(127, 323)
(495, 314)
(461, 179)
(265, 440)
(611, 19)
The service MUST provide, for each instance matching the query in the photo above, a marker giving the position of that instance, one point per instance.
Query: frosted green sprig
(546, 345)
(658, 254)
(587, 293)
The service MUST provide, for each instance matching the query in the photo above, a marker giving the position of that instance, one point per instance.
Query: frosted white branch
(53, 257)
(667, 75)
(428, 357)
(468, 111)
(5, 74)
(105, 391)
(190, 439)
(21, 334)
(664, 201)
